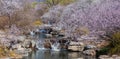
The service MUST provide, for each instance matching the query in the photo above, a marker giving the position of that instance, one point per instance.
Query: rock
(90, 47)
(23, 51)
(102, 44)
(21, 38)
(29, 44)
(33, 46)
(90, 52)
(10, 36)
(48, 35)
(87, 37)
(104, 57)
(2, 36)
(80, 58)
(47, 45)
(17, 47)
(54, 33)
(76, 46)
(114, 56)
(32, 33)
(2, 32)
(26, 43)
(73, 55)
(76, 43)
(117, 57)
(5, 58)
(107, 57)
(45, 25)
(4, 42)
(56, 28)
(80, 39)
(17, 57)
(110, 58)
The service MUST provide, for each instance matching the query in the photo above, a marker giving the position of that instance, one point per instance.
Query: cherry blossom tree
(53, 15)
(96, 15)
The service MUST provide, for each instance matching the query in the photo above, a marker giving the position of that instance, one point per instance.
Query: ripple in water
(49, 54)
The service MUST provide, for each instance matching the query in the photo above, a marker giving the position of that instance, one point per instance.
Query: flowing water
(50, 54)
(54, 52)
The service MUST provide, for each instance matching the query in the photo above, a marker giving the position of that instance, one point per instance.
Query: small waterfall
(40, 45)
(32, 33)
(55, 46)
(44, 43)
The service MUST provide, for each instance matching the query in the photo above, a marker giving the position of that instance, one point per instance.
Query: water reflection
(48, 54)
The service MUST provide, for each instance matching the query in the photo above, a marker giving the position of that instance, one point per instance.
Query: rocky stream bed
(49, 43)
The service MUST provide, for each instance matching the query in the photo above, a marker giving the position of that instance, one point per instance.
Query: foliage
(38, 22)
(40, 9)
(103, 51)
(4, 52)
(53, 15)
(115, 44)
(96, 15)
(56, 2)
(3, 22)
(34, 4)
(16, 12)
(66, 2)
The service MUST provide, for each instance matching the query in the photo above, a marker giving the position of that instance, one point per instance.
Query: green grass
(113, 47)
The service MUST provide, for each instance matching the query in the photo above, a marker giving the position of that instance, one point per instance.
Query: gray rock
(91, 47)
(104, 57)
(16, 46)
(21, 38)
(26, 43)
(48, 35)
(76, 46)
(117, 57)
(90, 52)
(80, 58)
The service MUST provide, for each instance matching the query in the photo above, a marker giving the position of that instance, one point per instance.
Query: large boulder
(102, 43)
(21, 38)
(48, 35)
(104, 57)
(33, 44)
(23, 51)
(17, 46)
(76, 46)
(26, 43)
(29, 44)
(109, 57)
(90, 52)
(47, 44)
(90, 47)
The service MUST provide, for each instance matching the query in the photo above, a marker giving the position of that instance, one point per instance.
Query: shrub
(103, 51)
(66, 2)
(3, 21)
(51, 3)
(34, 4)
(115, 44)
(96, 15)
(53, 15)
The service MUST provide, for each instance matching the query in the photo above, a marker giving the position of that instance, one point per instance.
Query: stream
(49, 54)
(53, 53)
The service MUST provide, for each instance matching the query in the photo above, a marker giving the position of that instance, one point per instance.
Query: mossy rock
(4, 53)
